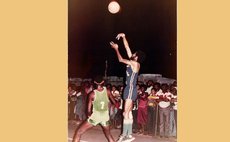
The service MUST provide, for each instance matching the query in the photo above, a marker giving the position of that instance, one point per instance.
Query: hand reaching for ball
(114, 45)
(120, 35)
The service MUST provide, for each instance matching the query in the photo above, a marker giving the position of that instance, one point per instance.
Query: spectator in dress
(142, 110)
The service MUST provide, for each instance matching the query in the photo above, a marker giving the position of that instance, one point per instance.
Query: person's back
(98, 111)
(100, 106)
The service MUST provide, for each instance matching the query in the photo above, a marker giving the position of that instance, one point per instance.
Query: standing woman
(130, 91)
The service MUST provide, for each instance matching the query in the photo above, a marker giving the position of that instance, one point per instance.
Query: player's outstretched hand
(120, 35)
(113, 45)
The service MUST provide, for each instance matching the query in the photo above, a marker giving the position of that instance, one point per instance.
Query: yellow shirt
(151, 100)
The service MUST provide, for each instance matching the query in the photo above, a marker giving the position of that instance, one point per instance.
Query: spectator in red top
(142, 114)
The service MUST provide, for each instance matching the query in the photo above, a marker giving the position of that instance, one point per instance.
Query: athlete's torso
(131, 76)
(101, 100)
(100, 111)
(130, 91)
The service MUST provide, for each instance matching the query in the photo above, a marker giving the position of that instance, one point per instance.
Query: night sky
(149, 25)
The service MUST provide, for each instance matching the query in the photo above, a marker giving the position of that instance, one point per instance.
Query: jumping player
(130, 91)
(99, 113)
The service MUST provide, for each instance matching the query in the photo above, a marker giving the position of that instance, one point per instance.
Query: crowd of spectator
(154, 111)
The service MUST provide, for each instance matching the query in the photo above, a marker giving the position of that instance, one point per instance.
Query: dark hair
(141, 56)
(98, 78)
(154, 89)
(164, 87)
(143, 86)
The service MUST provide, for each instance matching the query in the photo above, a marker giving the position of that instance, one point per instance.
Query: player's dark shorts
(130, 93)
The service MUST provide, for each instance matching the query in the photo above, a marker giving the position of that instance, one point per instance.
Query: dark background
(149, 25)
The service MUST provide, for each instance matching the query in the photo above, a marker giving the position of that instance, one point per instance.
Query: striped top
(131, 77)
(130, 91)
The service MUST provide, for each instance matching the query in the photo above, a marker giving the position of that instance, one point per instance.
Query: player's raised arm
(125, 42)
(120, 58)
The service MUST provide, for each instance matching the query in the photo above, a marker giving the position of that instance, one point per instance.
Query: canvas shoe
(128, 138)
(121, 138)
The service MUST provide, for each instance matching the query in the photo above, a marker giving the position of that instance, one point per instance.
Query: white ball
(113, 7)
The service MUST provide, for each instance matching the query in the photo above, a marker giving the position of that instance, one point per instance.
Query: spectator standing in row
(173, 113)
(150, 85)
(72, 101)
(80, 107)
(142, 114)
(164, 110)
(113, 108)
(152, 111)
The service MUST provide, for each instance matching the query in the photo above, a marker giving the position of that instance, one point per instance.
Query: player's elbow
(120, 59)
(126, 47)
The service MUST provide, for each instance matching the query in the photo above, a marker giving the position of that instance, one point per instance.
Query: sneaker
(78, 122)
(140, 133)
(121, 138)
(119, 126)
(128, 138)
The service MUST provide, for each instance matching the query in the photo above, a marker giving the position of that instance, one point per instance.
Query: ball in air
(113, 7)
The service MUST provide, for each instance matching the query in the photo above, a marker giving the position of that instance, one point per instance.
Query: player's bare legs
(106, 130)
(84, 127)
(127, 108)
(127, 122)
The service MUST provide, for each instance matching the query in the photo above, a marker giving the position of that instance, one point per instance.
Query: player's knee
(125, 114)
(130, 115)
(107, 133)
